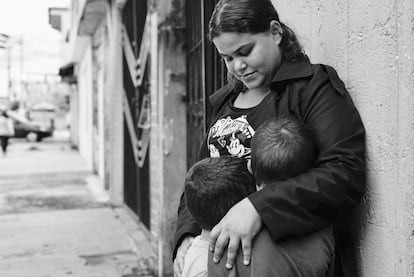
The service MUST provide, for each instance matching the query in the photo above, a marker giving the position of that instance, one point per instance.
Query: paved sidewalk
(53, 155)
(53, 223)
(102, 242)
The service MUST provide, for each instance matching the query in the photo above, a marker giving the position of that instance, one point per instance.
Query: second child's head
(214, 185)
(282, 148)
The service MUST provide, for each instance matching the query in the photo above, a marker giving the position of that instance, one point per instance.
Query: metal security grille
(205, 71)
(135, 42)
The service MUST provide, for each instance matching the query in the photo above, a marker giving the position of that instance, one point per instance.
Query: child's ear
(249, 166)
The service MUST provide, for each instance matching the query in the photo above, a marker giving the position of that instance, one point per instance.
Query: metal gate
(205, 70)
(135, 42)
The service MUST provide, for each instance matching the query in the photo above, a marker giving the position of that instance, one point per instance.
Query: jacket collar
(220, 95)
(293, 70)
(288, 71)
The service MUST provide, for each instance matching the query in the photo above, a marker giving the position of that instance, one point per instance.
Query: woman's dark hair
(252, 16)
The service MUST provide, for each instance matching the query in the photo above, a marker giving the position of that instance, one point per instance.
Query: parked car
(42, 112)
(25, 128)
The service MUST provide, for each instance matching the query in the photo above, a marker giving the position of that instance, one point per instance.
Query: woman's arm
(314, 199)
(337, 182)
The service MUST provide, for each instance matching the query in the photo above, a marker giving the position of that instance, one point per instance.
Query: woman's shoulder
(220, 95)
(322, 79)
(326, 75)
(305, 74)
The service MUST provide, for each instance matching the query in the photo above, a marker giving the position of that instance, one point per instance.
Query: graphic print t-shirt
(231, 134)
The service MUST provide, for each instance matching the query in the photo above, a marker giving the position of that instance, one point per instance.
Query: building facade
(126, 63)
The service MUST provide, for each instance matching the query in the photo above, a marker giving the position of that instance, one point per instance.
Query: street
(55, 222)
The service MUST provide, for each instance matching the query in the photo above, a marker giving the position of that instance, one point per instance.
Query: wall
(74, 115)
(85, 106)
(99, 53)
(169, 160)
(371, 44)
(113, 106)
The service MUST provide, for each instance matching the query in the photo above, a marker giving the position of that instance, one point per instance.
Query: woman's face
(252, 58)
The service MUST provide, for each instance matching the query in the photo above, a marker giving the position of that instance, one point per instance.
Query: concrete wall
(74, 115)
(371, 44)
(86, 106)
(113, 105)
(99, 53)
(169, 160)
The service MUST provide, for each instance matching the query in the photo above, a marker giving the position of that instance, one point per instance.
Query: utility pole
(4, 44)
(7, 42)
(23, 92)
(21, 57)
(9, 85)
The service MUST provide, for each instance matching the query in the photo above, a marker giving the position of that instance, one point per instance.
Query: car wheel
(31, 136)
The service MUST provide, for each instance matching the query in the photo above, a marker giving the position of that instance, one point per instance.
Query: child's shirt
(195, 261)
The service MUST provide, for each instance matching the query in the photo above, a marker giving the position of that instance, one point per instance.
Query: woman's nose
(239, 65)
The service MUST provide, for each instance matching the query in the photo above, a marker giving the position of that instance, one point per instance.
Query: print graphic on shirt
(230, 137)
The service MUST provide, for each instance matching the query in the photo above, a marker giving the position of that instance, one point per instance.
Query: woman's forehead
(227, 43)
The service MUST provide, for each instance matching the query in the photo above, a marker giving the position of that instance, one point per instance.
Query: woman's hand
(179, 258)
(240, 224)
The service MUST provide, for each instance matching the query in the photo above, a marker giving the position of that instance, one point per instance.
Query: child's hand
(179, 258)
(240, 224)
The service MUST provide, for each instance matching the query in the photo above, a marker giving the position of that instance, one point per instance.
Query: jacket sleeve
(335, 185)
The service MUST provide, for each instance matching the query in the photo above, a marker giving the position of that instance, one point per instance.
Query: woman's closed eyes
(243, 51)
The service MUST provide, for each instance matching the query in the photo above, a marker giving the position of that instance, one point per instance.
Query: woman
(271, 76)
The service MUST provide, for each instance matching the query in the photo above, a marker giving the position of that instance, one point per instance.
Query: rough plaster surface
(114, 122)
(171, 82)
(371, 44)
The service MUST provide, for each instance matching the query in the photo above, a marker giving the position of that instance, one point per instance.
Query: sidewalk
(101, 242)
(53, 155)
(52, 225)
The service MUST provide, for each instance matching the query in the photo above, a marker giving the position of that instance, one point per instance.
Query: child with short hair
(212, 187)
(281, 149)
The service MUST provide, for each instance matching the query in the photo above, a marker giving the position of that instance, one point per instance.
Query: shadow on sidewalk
(41, 194)
(55, 222)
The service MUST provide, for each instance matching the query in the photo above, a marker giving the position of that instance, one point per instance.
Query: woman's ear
(276, 31)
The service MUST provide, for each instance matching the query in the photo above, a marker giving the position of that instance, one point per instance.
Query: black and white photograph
(206, 138)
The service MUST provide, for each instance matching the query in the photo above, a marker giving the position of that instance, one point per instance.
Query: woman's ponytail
(292, 51)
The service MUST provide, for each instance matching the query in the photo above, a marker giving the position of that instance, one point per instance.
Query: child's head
(282, 148)
(213, 186)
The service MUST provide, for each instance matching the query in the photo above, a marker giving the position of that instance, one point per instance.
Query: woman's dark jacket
(329, 192)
